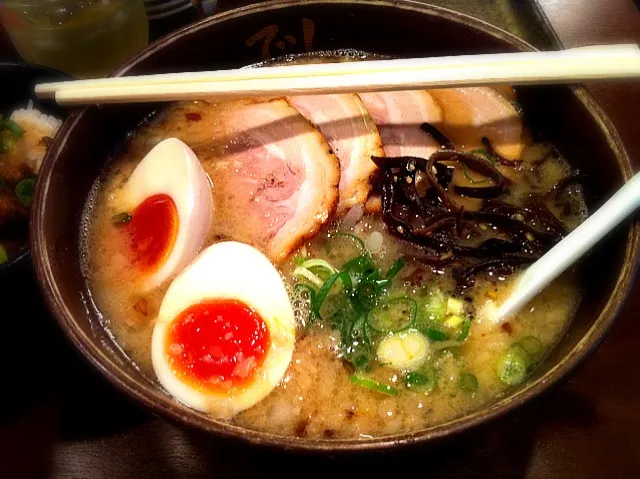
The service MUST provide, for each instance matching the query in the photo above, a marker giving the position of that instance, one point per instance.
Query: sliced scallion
(391, 274)
(454, 321)
(365, 295)
(360, 266)
(436, 307)
(301, 272)
(434, 334)
(422, 381)
(319, 264)
(404, 350)
(484, 153)
(121, 218)
(468, 382)
(531, 345)
(395, 314)
(465, 171)
(24, 191)
(357, 346)
(374, 385)
(512, 366)
(315, 271)
(326, 287)
(449, 345)
(464, 330)
(395, 269)
(7, 142)
(342, 246)
(455, 306)
(12, 126)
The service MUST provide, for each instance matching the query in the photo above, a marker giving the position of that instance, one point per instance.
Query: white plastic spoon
(572, 247)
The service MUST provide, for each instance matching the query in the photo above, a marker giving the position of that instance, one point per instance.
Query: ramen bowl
(565, 115)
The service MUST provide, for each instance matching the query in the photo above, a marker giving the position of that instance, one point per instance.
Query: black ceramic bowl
(567, 116)
(17, 81)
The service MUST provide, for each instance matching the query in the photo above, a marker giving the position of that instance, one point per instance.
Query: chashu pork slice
(353, 136)
(473, 113)
(275, 179)
(398, 116)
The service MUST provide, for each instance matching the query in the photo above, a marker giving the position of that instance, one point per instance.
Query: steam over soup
(342, 256)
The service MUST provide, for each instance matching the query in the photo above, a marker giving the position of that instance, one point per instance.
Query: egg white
(173, 169)
(229, 270)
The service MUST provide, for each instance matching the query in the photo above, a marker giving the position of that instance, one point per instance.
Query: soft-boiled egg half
(225, 332)
(169, 204)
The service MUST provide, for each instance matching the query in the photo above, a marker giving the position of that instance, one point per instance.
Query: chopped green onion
(359, 266)
(7, 142)
(454, 321)
(465, 171)
(464, 331)
(326, 287)
(485, 154)
(361, 362)
(365, 295)
(435, 335)
(304, 271)
(450, 345)
(4, 256)
(319, 264)
(342, 246)
(395, 269)
(357, 346)
(298, 260)
(24, 191)
(404, 350)
(121, 218)
(436, 307)
(422, 381)
(512, 366)
(373, 385)
(455, 306)
(12, 126)
(391, 274)
(468, 382)
(531, 345)
(395, 314)
(301, 272)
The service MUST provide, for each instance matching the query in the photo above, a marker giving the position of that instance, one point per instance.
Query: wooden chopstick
(48, 90)
(597, 63)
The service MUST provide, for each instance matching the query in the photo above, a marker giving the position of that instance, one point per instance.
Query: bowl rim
(151, 396)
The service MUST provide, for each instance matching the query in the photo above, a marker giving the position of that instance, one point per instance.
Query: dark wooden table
(67, 422)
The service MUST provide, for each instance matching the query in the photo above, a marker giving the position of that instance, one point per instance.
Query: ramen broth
(318, 396)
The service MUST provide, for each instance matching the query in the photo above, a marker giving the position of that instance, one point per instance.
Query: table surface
(587, 427)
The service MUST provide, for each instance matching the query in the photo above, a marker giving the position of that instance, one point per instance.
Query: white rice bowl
(36, 125)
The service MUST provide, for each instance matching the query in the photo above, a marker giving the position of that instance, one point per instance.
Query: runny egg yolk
(215, 345)
(152, 232)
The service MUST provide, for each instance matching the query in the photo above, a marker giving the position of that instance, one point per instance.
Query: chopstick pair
(596, 63)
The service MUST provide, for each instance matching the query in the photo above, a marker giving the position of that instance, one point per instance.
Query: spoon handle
(572, 247)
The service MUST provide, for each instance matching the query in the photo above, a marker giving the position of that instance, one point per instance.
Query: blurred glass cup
(86, 38)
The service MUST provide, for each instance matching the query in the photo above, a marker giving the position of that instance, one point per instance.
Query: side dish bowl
(18, 80)
(566, 115)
